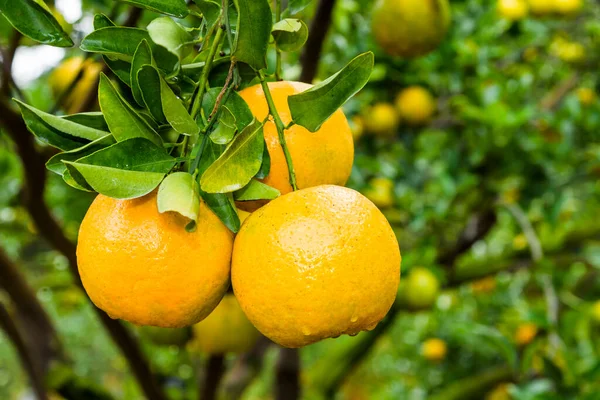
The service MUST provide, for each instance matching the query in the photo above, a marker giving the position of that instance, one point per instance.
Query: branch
(287, 371)
(33, 200)
(553, 99)
(8, 56)
(27, 359)
(215, 367)
(312, 50)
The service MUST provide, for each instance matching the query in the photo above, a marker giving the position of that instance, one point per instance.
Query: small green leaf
(56, 165)
(179, 192)
(226, 127)
(149, 83)
(102, 21)
(256, 190)
(314, 106)
(122, 42)
(79, 183)
(238, 164)
(167, 33)
(290, 34)
(254, 30)
(92, 119)
(176, 8)
(175, 112)
(56, 131)
(234, 102)
(123, 121)
(210, 11)
(35, 20)
(142, 56)
(295, 6)
(125, 170)
(265, 167)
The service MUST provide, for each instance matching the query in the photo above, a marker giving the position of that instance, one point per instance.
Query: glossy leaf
(124, 123)
(210, 10)
(234, 102)
(167, 33)
(175, 112)
(56, 131)
(56, 165)
(102, 21)
(290, 34)
(238, 164)
(226, 127)
(176, 8)
(179, 192)
(295, 6)
(125, 170)
(141, 57)
(149, 83)
(35, 20)
(78, 182)
(254, 30)
(256, 190)
(314, 106)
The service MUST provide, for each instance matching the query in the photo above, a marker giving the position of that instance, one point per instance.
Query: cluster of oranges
(518, 9)
(314, 263)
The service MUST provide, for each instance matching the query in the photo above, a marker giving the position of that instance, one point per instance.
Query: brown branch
(29, 364)
(312, 50)
(33, 199)
(8, 56)
(215, 367)
(553, 99)
(287, 375)
(244, 371)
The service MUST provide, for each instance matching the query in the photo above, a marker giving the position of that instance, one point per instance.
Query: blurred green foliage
(493, 143)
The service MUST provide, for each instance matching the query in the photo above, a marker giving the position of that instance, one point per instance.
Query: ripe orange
(225, 330)
(410, 28)
(144, 267)
(62, 77)
(314, 264)
(513, 10)
(568, 7)
(434, 349)
(525, 333)
(382, 119)
(415, 105)
(322, 157)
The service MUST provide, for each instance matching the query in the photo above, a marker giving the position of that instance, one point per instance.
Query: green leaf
(226, 127)
(210, 11)
(290, 34)
(142, 56)
(176, 8)
(56, 131)
(56, 165)
(295, 6)
(102, 21)
(256, 190)
(125, 170)
(265, 167)
(314, 106)
(122, 42)
(179, 192)
(124, 123)
(35, 20)
(253, 32)
(77, 182)
(149, 83)
(167, 33)
(92, 119)
(234, 102)
(120, 68)
(175, 111)
(238, 164)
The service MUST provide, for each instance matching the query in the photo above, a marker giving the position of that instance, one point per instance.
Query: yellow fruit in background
(410, 28)
(525, 333)
(144, 267)
(415, 105)
(541, 7)
(434, 349)
(586, 96)
(513, 10)
(166, 336)
(484, 285)
(357, 125)
(567, 7)
(595, 311)
(225, 330)
(380, 192)
(566, 50)
(314, 264)
(500, 392)
(321, 157)
(61, 78)
(242, 215)
(520, 241)
(382, 119)
(421, 288)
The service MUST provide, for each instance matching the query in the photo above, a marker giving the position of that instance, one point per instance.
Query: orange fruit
(144, 267)
(541, 7)
(382, 119)
(513, 10)
(434, 349)
(525, 333)
(225, 330)
(586, 96)
(62, 77)
(410, 28)
(322, 157)
(568, 7)
(415, 105)
(314, 264)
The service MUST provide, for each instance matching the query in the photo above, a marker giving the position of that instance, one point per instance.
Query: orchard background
(494, 201)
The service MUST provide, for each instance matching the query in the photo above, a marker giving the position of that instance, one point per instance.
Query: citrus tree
(196, 196)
